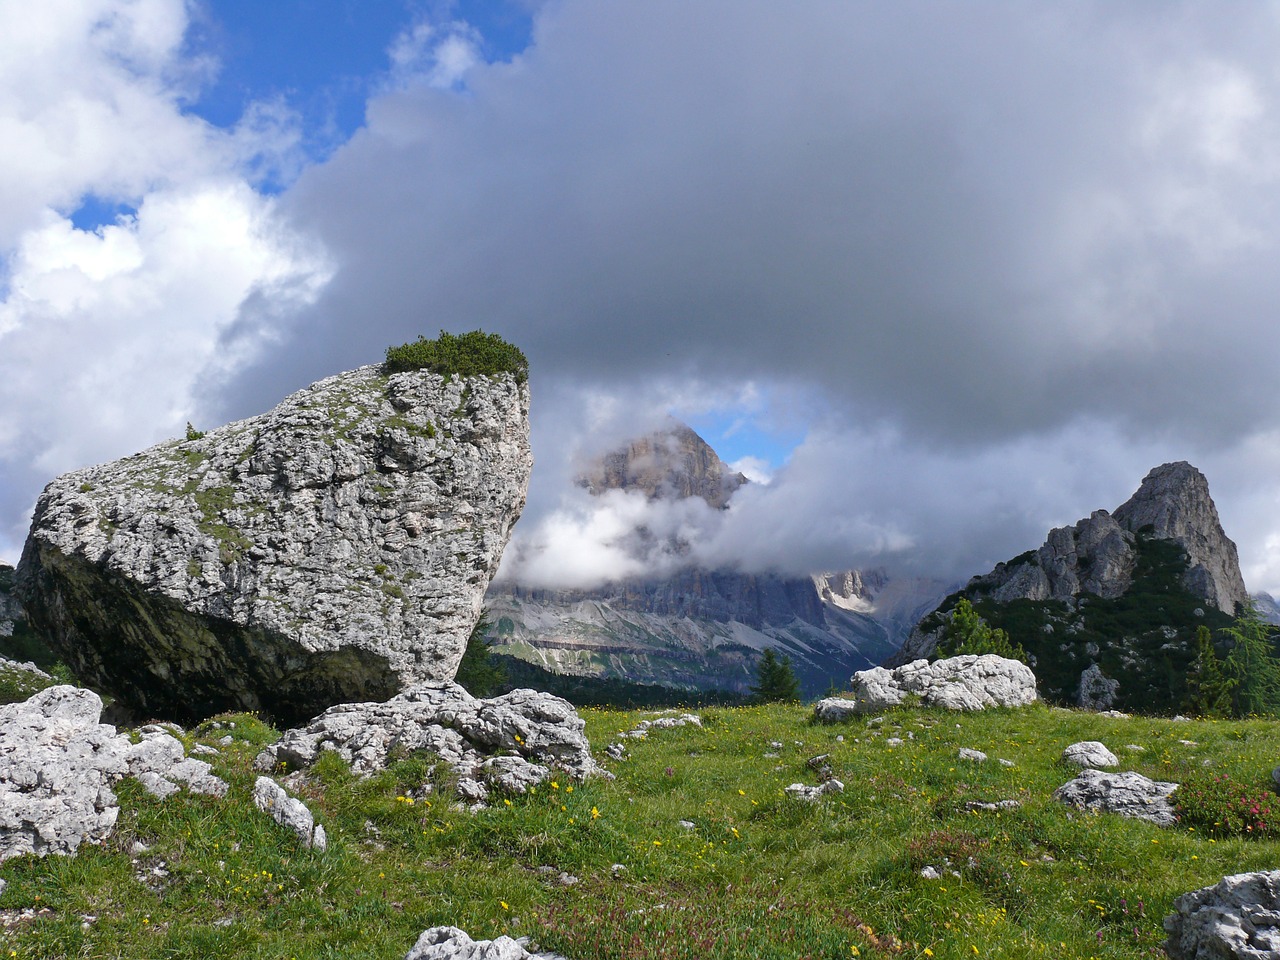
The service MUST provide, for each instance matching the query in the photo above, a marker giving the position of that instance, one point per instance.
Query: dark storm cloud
(982, 228)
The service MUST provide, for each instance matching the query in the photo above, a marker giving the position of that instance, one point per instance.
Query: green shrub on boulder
(468, 354)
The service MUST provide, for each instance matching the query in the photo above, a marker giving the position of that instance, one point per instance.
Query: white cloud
(112, 338)
(437, 56)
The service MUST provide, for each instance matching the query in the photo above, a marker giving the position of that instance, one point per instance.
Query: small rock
(992, 806)
(894, 742)
(977, 756)
(929, 873)
(688, 825)
(1007, 763)
(269, 797)
(1089, 753)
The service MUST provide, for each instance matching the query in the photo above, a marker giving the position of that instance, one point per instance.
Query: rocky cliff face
(1173, 503)
(331, 550)
(1116, 597)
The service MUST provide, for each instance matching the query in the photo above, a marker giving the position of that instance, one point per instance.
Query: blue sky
(957, 277)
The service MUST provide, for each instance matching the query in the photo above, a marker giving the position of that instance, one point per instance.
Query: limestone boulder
(1097, 690)
(58, 764)
(1091, 754)
(1237, 918)
(509, 742)
(967, 682)
(1127, 794)
(290, 812)
(450, 943)
(335, 549)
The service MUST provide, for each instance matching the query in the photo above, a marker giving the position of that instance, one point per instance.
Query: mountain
(1267, 608)
(700, 628)
(1121, 593)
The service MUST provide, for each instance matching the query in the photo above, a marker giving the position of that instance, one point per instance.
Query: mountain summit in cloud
(693, 625)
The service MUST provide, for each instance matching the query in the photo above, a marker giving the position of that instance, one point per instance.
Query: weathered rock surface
(1128, 794)
(59, 763)
(11, 613)
(1097, 690)
(289, 812)
(1237, 918)
(57, 767)
(1097, 557)
(334, 549)
(807, 794)
(956, 683)
(1091, 754)
(450, 943)
(510, 742)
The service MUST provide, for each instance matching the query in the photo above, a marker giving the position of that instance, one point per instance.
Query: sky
(937, 276)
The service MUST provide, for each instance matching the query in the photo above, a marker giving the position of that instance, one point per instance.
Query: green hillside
(757, 874)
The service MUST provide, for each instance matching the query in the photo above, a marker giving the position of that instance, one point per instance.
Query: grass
(758, 874)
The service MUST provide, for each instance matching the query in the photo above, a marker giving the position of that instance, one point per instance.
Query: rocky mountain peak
(671, 463)
(1173, 503)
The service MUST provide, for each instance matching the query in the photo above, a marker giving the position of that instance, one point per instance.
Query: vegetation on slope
(1146, 638)
(467, 354)
(758, 875)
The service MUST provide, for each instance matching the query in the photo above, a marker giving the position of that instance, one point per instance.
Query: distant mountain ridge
(703, 628)
(1121, 593)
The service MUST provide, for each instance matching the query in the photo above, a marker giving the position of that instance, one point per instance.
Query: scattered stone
(1238, 917)
(994, 806)
(510, 742)
(450, 943)
(977, 756)
(617, 870)
(799, 791)
(3, 884)
(269, 797)
(1007, 763)
(687, 825)
(893, 742)
(1114, 714)
(617, 751)
(956, 683)
(1089, 753)
(929, 873)
(1189, 743)
(1127, 794)
(662, 723)
(204, 750)
(334, 549)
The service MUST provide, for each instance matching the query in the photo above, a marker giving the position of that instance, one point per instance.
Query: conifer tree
(968, 633)
(775, 680)
(1252, 666)
(478, 673)
(1208, 688)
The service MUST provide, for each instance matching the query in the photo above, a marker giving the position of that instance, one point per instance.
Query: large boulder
(967, 682)
(450, 943)
(1127, 794)
(510, 742)
(332, 550)
(1237, 918)
(58, 764)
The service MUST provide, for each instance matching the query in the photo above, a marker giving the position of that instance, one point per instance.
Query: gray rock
(1237, 918)
(334, 549)
(977, 756)
(450, 943)
(532, 731)
(993, 806)
(156, 785)
(662, 723)
(1128, 794)
(956, 683)
(1089, 753)
(800, 791)
(1097, 691)
(836, 710)
(1174, 502)
(57, 767)
(289, 812)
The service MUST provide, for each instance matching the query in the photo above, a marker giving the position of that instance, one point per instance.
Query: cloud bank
(1000, 259)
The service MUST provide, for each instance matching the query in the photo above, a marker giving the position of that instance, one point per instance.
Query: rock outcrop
(1107, 610)
(1237, 918)
(58, 764)
(510, 742)
(334, 549)
(1127, 794)
(956, 683)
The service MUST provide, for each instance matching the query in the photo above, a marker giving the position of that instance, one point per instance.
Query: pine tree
(1252, 666)
(775, 680)
(1209, 690)
(968, 633)
(478, 673)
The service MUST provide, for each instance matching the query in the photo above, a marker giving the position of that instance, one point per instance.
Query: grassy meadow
(751, 873)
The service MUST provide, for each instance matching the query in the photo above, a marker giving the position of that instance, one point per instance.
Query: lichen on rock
(334, 549)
